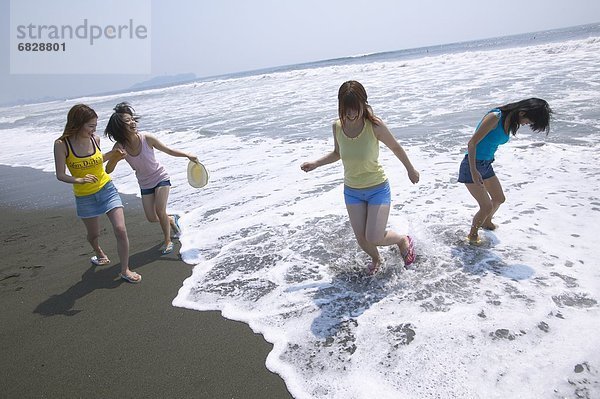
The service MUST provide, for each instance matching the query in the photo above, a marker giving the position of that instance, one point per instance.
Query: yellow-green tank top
(360, 156)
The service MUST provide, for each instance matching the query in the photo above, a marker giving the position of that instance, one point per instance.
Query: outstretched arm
(330, 157)
(114, 156)
(384, 135)
(156, 143)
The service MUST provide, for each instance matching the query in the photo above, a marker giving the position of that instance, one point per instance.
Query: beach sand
(72, 330)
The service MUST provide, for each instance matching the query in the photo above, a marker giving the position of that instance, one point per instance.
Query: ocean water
(516, 317)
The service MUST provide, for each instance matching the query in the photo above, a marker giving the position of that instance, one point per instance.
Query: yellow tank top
(89, 164)
(360, 156)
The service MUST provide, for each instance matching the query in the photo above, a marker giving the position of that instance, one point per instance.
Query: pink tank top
(148, 170)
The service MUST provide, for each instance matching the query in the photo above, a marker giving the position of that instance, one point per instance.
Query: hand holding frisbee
(197, 174)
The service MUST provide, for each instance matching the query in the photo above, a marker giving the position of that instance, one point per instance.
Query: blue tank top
(487, 147)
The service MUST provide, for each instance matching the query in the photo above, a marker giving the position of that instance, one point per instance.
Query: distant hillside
(165, 80)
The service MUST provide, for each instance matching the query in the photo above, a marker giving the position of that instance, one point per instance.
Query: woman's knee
(374, 238)
(150, 212)
(151, 215)
(499, 200)
(120, 231)
(162, 215)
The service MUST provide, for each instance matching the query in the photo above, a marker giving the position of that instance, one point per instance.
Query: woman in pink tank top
(138, 150)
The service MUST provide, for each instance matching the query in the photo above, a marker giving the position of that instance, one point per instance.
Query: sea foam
(273, 247)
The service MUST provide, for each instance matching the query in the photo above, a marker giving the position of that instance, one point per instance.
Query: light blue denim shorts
(105, 200)
(376, 195)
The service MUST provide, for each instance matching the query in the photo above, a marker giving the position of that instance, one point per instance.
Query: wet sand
(69, 329)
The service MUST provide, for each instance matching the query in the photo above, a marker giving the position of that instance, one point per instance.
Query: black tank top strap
(68, 145)
(95, 143)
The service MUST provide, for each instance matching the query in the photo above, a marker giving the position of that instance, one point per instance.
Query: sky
(217, 37)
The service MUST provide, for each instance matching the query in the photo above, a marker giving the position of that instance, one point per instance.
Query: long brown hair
(535, 109)
(78, 116)
(352, 95)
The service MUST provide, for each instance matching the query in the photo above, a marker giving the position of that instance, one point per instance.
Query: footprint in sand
(6, 276)
(15, 278)
(15, 237)
(35, 269)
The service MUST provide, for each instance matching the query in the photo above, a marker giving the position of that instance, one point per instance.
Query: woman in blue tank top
(476, 170)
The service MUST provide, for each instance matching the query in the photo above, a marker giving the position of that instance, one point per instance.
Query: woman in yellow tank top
(78, 149)
(356, 137)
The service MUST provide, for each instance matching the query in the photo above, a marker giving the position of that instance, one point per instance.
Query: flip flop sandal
(476, 242)
(177, 228)
(96, 261)
(168, 249)
(131, 279)
(410, 256)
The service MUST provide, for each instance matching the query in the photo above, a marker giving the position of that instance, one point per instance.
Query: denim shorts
(376, 195)
(148, 191)
(484, 167)
(105, 200)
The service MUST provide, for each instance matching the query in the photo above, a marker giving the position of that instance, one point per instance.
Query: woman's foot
(130, 277)
(99, 261)
(175, 229)
(167, 248)
(407, 251)
(474, 239)
(373, 267)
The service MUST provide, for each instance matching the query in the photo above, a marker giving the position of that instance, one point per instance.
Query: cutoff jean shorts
(104, 201)
(484, 167)
(148, 191)
(376, 195)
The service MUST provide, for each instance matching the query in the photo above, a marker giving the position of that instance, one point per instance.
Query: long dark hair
(535, 109)
(116, 129)
(78, 116)
(352, 95)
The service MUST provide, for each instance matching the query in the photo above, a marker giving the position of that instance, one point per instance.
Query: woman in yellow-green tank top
(356, 135)
(78, 149)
